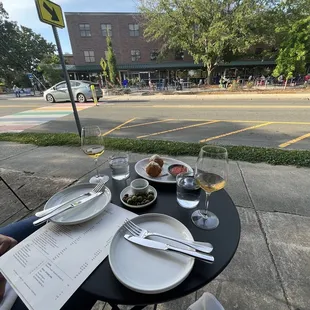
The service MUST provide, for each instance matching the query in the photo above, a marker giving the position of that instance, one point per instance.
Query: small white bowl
(139, 186)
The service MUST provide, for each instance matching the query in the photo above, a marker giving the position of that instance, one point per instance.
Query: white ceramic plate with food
(147, 270)
(165, 176)
(82, 213)
(128, 191)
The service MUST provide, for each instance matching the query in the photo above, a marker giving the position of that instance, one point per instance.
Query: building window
(85, 30)
(89, 56)
(135, 55)
(134, 30)
(154, 55)
(106, 30)
(179, 55)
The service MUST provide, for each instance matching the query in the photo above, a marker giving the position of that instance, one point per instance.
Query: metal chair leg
(7, 185)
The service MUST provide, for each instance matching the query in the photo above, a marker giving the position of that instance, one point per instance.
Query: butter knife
(166, 247)
(70, 206)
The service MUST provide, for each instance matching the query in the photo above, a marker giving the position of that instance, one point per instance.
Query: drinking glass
(211, 173)
(188, 190)
(92, 145)
(119, 164)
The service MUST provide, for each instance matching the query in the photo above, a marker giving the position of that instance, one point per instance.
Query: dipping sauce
(176, 169)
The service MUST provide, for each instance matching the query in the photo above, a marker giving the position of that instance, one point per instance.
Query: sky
(24, 12)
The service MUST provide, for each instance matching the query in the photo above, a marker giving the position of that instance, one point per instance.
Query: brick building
(135, 56)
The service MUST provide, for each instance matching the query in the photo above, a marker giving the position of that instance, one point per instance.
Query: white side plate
(167, 177)
(82, 213)
(146, 270)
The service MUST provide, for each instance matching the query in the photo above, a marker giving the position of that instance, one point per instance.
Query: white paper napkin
(9, 298)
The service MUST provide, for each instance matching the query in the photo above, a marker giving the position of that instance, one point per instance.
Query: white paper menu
(48, 267)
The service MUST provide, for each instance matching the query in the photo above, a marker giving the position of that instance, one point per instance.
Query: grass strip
(243, 153)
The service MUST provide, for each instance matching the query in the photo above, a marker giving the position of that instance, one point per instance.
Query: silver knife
(58, 211)
(50, 210)
(166, 247)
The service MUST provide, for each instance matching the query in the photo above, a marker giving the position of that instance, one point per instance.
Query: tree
(210, 31)
(21, 49)
(294, 53)
(111, 61)
(50, 69)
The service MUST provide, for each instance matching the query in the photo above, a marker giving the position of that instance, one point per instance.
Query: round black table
(102, 283)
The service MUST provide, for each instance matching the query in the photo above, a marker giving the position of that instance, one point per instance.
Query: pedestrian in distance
(16, 91)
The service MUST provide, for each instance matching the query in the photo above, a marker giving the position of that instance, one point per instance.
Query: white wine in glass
(92, 145)
(211, 173)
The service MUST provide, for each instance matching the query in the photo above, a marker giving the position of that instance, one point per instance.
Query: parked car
(81, 91)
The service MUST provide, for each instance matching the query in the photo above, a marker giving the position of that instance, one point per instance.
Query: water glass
(119, 164)
(188, 190)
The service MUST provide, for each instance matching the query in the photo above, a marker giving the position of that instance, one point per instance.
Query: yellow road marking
(243, 121)
(118, 127)
(176, 129)
(234, 132)
(203, 106)
(307, 135)
(149, 123)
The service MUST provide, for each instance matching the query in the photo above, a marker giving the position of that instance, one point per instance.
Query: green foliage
(240, 153)
(111, 61)
(21, 49)
(295, 48)
(210, 31)
(50, 69)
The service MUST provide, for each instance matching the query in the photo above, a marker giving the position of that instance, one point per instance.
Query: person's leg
(20, 230)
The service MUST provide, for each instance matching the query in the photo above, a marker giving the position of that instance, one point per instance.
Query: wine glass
(92, 145)
(211, 173)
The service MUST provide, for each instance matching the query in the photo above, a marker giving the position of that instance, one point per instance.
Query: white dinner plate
(82, 213)
(128, 190)
(146, 270)
(165, 176)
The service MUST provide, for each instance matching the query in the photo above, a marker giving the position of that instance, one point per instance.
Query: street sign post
(51, 13)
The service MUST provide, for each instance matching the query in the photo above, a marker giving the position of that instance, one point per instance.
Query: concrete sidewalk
(271, 269)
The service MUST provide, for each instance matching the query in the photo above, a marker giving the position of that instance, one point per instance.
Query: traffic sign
(50, 13)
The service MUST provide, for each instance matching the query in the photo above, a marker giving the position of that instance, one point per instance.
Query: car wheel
(50, 98)
(81, 98)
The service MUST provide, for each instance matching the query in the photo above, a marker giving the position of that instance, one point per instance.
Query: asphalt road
(283, 123)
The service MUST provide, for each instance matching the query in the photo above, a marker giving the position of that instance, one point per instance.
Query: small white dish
(146, 270)
(139, 186)
(82, 213)
(128, 190)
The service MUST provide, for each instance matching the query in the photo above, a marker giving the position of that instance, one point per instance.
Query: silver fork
(95, 190)
(136, 230)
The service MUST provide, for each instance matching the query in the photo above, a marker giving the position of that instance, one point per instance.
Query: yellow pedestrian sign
(50, 13)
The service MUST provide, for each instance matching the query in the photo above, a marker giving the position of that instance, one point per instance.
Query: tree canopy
(210, 31)
(50, 69)
(21, 49)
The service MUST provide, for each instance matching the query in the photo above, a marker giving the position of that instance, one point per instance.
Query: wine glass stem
(206, 205)
(96, 164)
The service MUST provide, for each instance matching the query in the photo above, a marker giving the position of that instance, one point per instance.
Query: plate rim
(149, 178)
(158, 291)
(141, 206)
(109, 197)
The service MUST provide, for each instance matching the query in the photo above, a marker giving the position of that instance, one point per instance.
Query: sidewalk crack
(266, 240)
